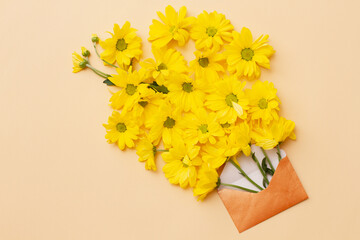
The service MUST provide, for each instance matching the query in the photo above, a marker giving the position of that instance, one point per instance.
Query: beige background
(60, 180)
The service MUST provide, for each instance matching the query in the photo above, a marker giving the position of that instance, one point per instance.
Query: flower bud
(85, 52)
(94, 38)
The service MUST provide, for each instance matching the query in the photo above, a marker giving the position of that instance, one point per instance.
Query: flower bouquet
(212, 131)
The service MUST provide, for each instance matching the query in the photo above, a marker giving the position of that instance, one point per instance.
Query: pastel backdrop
(59, 179)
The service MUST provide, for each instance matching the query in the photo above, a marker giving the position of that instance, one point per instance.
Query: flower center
(231, 98)
(204, 62)
(162, 66)
(154, 150)
(204, 128)
(169, 122)
(211, 31)
(225, 125)
(186, 161)
(121, 45)
(247, 54)
(131, 89)
(143, 103)
(121, 127)
(263, 104)
(187, 87)
(172, 29)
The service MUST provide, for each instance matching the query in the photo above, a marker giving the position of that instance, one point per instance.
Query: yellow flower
(79, 62)
(185, 93)
(207, 65)
(167, 63)
(227, 127)
(146, 104)
(202, 127)
(146, 152)
(123, 45)
(225, 92)
(181, 162)
(276, 132)
(211, 30)
(129, 94)
(121, 129)
(241, 137)
(227, 146)
(164, 124)
(264, 104)
(174, 26)
(85, 52)
(230, 144)
(245, 56)
(214, 155)
(208, 180)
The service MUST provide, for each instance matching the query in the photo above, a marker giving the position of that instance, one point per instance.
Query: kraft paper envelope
(248, 209)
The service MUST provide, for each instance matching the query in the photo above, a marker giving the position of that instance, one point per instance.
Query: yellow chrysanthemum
(276, 132)
(202, 127)
(211, 30)
(207, 65)
(167, 63)
(227, 127)
(121, 129)
(129, 82)
(85, 52)
(79, 63)
(225, 92)
(185, 93)
(146, 152)
(174, 26)
(245, 56)
(241, 136)
(214, 155)
(146, 104)
(123, 46)
(164, 124)
(181, 162)
(264, 104)
(208, 180)
(217, 154)
(230, 144)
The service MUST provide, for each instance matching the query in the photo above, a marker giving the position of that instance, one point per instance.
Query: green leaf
(162, 89)
(253, 156)
(157, 88)
(269, 171)
(108, 82)
(263, 164)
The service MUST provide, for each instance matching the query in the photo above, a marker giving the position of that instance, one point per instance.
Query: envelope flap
(248, 209)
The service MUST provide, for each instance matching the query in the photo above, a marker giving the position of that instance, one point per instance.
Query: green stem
(236, 186)
(278, 151)
(268, 159)
(98, 72)
(97, 53)
(261, 170)
(245, 175)
(162, 150)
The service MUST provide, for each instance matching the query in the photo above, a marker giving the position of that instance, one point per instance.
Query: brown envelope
(248, 209)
